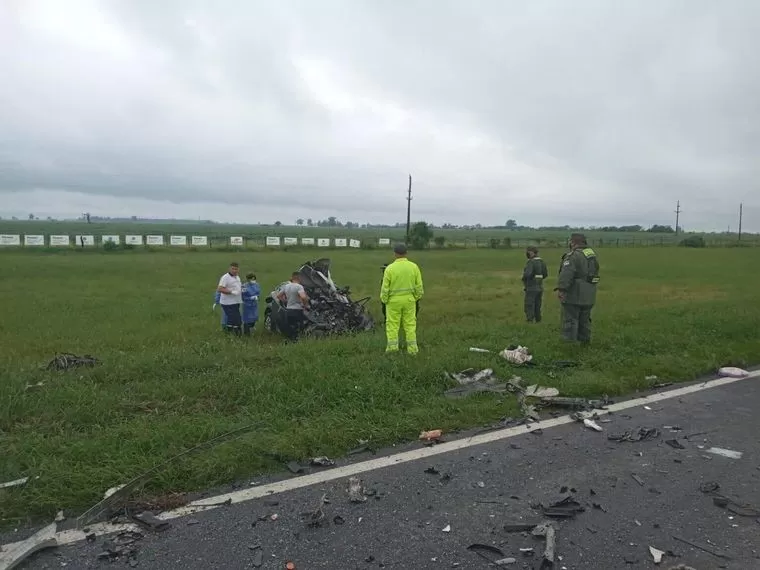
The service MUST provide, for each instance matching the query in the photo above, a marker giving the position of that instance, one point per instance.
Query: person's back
(581, 277)
(293, 292)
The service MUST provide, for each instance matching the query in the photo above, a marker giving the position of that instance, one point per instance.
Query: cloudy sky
(588, 112)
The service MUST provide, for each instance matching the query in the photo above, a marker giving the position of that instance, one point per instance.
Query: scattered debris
(710, 550)
(638, 434)
(59, 517)
(516, 354)
(472, 381)
(14, 483)
(447, 528)
(355, 490)
(536, 391)
(549, 533)
(16, 554)
(121, 491)
(662, 385)
(339, 520)
(566, 508)
(656, 554)
(476, 349)
(681, 567)
(33, 386)
(725, 452)
(591, 424)
(709, 486)
(482, 549)
(638, 479)
(577, 403)
(322, 462)
(66, 361)
(505, 561)
(317, 515)
(675, 444)
(151, 522)
(295, 467)
(733, 372)
(432, 435)
(736, 508)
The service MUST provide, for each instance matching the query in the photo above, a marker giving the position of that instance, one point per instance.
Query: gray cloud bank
(549, 112)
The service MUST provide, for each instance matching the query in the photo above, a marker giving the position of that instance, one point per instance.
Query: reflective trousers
(401, 312)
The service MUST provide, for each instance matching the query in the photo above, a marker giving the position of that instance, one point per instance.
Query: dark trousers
(576, 323)
(234, 320)
(248, 327)
(293, 320)
(533, 302)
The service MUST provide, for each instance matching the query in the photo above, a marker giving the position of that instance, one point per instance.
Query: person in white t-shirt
(230, 298)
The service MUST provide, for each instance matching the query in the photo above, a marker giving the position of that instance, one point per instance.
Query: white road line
(243, 495)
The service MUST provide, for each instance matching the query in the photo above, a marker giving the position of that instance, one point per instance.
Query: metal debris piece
(548, 531)
(355, 490)
(709, 486)
(638, 434)
(725, 452)
(566, 508)
(472, 381)
(591, 424)
(505, 561)
(482, 549)
(516, 354)
(519, 527)
(536, 391)
(317, 515)
(59, 517)
(682, 567)
(743, 510)
(656, 554)
(151, 522)
(447, 528)
(322, 462)
(67, 361)
(295, 467)
(675, 444)
(432, 471)
(258, 556)
(14, 483)
(576, 403)
(709, 549)
(476, 349)
(638, 479)
(16, 553)
(339, 520)
(733, 372)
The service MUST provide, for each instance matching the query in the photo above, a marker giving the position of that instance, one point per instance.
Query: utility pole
(740, 221)
(408, 210)
(678, 215)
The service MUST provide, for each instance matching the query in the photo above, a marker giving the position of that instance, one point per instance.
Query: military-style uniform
(533, 282)
(578, 278)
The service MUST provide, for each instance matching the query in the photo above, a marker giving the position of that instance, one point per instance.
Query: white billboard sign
(307, 241)
(273, 240)
(133, 240)
(84, 240)
(323, 242)
(59, 241)
(10, 240)
(290, 241)
(236, 240)
(384, 241)
(178, 240)
(154, 240)
(354, 243)
(340, 242)
(114, 239)
(199, 240)
(34, 240)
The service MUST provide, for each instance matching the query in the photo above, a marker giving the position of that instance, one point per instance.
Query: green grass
(170, 379)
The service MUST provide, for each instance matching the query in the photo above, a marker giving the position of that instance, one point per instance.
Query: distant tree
(309, 222)
(299, 222)
(332, 221)
(658, 229)
(31, 216)
(420, 235)
(511, 225)
(439, 240)
(278, 223)
(134, 218)
(14, 218)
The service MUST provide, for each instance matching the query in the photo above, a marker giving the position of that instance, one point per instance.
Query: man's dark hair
(532, 249)
(578, 238)
(234, 264)
(251, 276)
(295, 275)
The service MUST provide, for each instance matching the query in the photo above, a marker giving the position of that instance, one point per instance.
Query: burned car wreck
(331, 311)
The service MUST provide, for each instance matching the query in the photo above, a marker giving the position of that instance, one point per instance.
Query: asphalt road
(424, 514)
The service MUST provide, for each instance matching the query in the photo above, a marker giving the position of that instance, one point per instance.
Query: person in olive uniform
(576, 287)
(533, 284)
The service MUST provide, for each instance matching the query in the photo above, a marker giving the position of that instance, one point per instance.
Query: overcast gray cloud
(547, 111)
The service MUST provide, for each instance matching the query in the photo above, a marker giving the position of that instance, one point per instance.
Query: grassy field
(170, 379)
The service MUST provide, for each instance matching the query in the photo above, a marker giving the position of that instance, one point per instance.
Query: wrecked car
(331, 309)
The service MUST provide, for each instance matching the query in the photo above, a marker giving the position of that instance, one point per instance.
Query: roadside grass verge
(170, 379)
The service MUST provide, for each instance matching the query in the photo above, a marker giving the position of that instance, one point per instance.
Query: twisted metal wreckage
(331, 309)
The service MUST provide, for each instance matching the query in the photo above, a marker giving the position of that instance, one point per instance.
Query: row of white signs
(65, 241)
